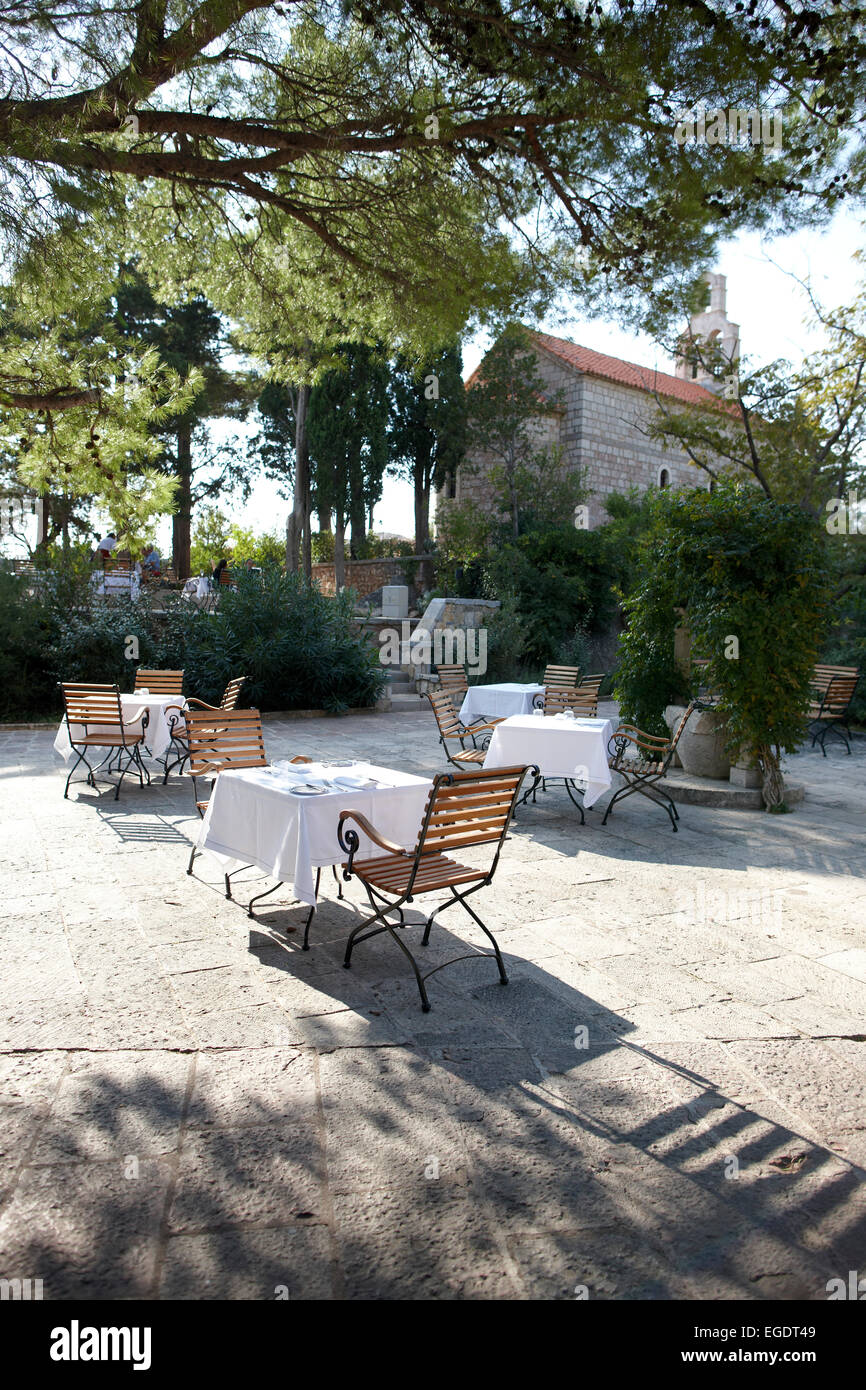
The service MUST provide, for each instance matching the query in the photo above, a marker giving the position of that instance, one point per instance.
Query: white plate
(306, 789)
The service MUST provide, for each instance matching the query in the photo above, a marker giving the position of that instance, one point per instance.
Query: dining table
(498, 701)
(559, 745)
(283, 819)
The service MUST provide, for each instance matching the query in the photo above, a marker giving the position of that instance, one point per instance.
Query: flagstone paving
(666, 1102)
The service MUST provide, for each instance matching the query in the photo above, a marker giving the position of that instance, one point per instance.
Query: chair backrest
(678, 731)
(591, 685)
(839, 694)
(115, 565)
(560, 697)
(226, 578)
(159, 682)
(452, 678)
(561, 675)
(446, 715)
(468, 808)
(822, 675)
(91, 704)
(232, 692)
(224, 739)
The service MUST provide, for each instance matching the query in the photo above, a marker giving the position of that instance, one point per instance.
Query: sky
(770, 307)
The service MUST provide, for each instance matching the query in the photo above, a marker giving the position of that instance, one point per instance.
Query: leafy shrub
(27, 686)
(563, 579)
(297, 647)
(751, 575)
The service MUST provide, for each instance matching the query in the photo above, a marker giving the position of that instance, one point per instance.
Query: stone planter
(701, 748)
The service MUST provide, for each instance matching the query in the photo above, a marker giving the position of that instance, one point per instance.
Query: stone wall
(366, 576)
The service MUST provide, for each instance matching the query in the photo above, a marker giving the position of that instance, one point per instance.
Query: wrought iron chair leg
(228, 880)
(191, 858)
(503, 978)
(81, 759)
(259, 896)
(425, 1002)
(378, 916)
(339, 882)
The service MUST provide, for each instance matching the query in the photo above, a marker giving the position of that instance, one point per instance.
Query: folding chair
(452, 729)
(643, 772)
(97, 709)
(464, 809)
(174, 715)
(835, 687)
(218, 741)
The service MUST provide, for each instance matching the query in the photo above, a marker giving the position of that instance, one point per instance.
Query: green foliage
(743, 567)
(562, 579)
(347, 429)
(507, 631)
(216, 538)
(297, 647)
(26, 685)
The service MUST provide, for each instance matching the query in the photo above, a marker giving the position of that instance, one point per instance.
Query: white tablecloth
(254, 818)
(498, 701)
(558, 746)
(157, 735)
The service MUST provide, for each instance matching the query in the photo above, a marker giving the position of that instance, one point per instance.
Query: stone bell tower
(710, 326)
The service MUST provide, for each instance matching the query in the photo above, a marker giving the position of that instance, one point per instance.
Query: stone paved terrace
(192, 1108)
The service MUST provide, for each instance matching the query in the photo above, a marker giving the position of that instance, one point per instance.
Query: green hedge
(297, 648)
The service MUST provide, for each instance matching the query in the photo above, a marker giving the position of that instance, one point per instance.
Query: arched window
(451, 489)
(664, 478)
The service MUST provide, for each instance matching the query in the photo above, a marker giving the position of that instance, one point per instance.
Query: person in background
(106, 546)
(218, 568)
(151, 561)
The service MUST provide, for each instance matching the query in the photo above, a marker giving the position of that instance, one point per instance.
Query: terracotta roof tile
(593, 363)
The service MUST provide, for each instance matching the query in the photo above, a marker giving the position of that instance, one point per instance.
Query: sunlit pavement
(667, 1101)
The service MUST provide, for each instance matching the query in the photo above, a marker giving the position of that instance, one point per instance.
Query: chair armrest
(143, 717)
(658, 748)
(370, 830)
(640, 737)
(488, 724)
(200, 704)
(350, 840)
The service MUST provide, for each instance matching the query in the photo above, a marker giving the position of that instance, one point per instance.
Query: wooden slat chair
(453, 680)
(643, 772)
(453, 730)
(828, 713)
(582, 699)
(97, 709)
(115, 564)
(464, 809)
(219, 741)
(556, 678)
(159, 682)
(174, 715)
